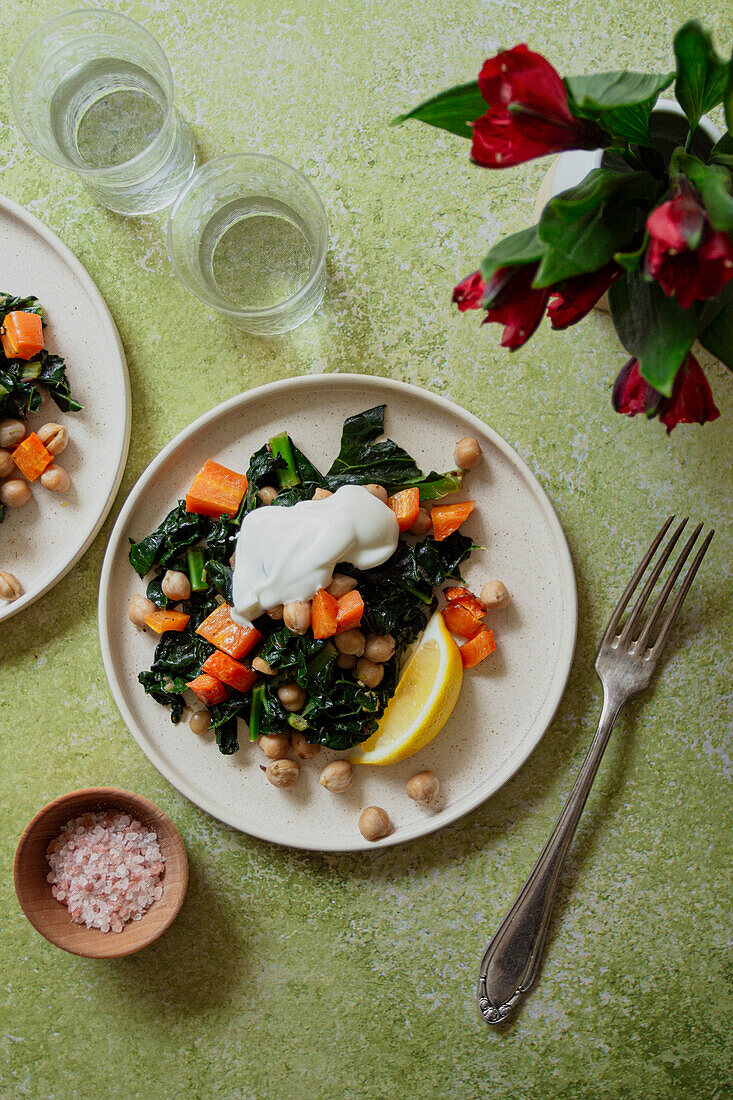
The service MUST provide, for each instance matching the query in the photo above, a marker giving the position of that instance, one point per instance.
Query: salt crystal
(106, 868)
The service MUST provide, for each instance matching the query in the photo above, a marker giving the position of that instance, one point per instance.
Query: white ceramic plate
(505, 704)
(40, 542)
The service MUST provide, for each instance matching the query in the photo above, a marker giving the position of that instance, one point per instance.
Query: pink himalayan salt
(106, 869)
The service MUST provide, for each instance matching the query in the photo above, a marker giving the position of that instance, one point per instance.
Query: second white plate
(505, 704)
(41, 541)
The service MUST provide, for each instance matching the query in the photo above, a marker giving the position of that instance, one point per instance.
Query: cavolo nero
(398, 595)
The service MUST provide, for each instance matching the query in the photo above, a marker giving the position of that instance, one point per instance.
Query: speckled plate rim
(67, 257)
(363, 382)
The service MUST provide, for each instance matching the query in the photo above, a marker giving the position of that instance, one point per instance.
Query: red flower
(510, 299)
(469, 294)
(575, 297)
(691, 401)
(528, 112)
(686, 256)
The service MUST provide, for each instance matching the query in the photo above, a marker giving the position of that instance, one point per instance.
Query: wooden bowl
(51, 918)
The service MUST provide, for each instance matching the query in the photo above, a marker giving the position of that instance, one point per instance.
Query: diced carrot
(229, 671)
(324, 614)
(447, 518)
(405, 505)
(31, 457)
(456, 593)
(349, 611)
(160, 621)
(216, 491)
(221, 630)
(461, 619)
(209, 689)
(21, 334)
(480, 646)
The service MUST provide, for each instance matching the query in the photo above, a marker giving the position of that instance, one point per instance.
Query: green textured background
(296, 975)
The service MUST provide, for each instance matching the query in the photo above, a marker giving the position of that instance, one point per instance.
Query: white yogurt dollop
(287, 554)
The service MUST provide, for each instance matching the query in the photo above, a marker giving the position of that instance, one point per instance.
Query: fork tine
(667, 624)
(640, 604)
(669, 584)
(631, 586)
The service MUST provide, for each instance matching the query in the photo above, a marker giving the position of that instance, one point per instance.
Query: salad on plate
(305, 604)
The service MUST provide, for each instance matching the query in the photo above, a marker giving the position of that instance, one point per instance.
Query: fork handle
(512, 959)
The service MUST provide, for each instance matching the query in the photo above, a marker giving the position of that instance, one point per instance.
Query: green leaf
(722, 151)
(714, 183)
(701, 76)
(451, 110)
(585, 226)
(716, 326)
(366, 459)
(517, 249)
(652, 327)
(621, 102)
(631, 261)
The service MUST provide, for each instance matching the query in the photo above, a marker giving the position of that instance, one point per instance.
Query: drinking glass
(93, 92)
(248, 236)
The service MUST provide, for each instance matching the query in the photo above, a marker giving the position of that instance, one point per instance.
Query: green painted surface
(291, 975)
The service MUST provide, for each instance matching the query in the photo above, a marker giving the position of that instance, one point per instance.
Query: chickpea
(176, 586)
(7, 466)
(274, 745)
(283, 773)
(297, 616)
(423, 788)
(54, 438)
(340, 585)
(379, 648)
(374, 823)
(494, 595)
(321, 494)
(276, 612)
(369, 673)
(467, 453)
(138, 609)
(345, 660)
(10, 587)
(260, 665)
(379, 492)
(12, 432)
(292, 696)
(55, 479)
(350, 641)
(200, 722)
(267, 494)
(337, 776)
(304, 750)
(15, 493)
(422, 524)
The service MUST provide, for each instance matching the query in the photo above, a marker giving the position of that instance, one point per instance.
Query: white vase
(570, 169)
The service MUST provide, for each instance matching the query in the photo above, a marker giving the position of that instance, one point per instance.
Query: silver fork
(625, 662)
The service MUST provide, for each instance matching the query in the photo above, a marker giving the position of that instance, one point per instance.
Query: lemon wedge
(424, 697)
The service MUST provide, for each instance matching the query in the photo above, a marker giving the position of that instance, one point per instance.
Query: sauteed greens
(398, 596)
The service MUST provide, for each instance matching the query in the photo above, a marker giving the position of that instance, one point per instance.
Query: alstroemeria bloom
(528, 112)
(511, 300)
(687, 257)
(469, 294)
(575, 297)
(691, 402)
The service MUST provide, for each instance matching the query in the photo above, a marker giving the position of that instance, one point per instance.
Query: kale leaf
(178, 530)
(339, 711)
(362, 460)
(433, 486)
(9, 304)
(19, 395)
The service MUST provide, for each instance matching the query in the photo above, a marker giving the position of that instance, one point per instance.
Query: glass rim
(60, 160)
(259, 312)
